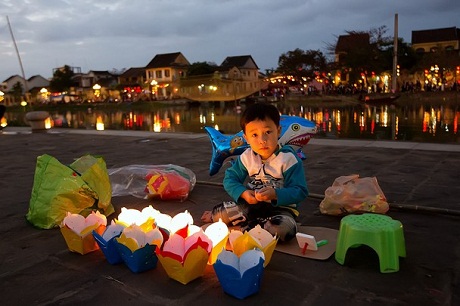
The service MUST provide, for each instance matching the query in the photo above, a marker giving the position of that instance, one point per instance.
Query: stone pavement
(421, 182)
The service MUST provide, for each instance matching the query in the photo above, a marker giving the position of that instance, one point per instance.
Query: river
(416, 121)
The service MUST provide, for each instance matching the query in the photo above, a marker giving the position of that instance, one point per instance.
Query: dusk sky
(118, 34)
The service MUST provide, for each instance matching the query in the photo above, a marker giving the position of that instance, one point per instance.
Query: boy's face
(262, 136)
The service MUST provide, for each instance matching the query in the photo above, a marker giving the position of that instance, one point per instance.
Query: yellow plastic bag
(80, 188)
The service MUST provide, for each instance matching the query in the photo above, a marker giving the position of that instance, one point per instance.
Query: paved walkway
(421, 182)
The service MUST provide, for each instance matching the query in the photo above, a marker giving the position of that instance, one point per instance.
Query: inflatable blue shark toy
(295, 131)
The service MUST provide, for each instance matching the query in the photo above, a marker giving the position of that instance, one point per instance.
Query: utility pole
(26, 89)
(395, 56)
(393, 79)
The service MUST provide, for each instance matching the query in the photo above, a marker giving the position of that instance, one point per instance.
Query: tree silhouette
(302, 63)
(17, 91)
(62, 79)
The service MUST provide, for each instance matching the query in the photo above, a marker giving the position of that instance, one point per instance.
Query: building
(96, 85)
(164, 72)
(433, 40)
(31, 87)
(347, 44)
(244, 69)
(37, 83)
(132, 83)
(440, 53)
(8, 84)
(235, 78)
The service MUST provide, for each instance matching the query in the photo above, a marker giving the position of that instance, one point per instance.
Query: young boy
(275, 179)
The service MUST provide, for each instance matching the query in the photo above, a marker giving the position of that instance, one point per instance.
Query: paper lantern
(181, 222)
(107, 243)
(137, 247)
(218, 233)
(185, 258)
(240, 276)
(255, 238)
(141, 260)
(134, 237)
(161, 220)
(130, 216)
(77, 231)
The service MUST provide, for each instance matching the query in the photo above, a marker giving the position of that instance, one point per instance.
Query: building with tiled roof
(235, 78)
(432, 40)
(346, 43)
(163, 73)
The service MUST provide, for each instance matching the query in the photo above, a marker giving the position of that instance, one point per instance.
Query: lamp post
(44, 94)
(154, 85)
(97, 91)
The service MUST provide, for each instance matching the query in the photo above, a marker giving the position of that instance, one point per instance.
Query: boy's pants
(277, 221)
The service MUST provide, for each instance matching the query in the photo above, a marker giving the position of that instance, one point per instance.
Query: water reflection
(357, 121)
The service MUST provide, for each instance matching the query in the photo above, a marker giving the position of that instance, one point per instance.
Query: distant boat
(378, 100)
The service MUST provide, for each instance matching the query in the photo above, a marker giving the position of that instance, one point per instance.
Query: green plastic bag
(80, 188)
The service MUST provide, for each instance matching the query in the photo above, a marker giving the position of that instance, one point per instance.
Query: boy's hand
(266, 194)
(249, 196)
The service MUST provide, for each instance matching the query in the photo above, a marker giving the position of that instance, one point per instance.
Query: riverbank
(404, 98)
(420, 185)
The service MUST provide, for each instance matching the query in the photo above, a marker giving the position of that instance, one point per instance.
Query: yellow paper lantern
(255, 238)
(185, 258)
(218, 233)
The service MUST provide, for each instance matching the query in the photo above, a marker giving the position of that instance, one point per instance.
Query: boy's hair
(259, 111)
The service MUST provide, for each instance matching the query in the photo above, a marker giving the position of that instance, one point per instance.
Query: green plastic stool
(380, 232)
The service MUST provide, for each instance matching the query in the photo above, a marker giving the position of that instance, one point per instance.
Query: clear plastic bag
(350, 194)
(166, 182)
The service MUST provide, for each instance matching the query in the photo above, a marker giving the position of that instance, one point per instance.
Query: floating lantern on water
(99, 123)
(255, 238)
(77, 231)
(48, 123)
(3, 122)
(240, 276)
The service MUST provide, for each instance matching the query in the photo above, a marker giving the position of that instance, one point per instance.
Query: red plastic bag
(167, 185)
(166, 182)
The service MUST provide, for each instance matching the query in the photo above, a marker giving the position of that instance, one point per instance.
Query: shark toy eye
(295, 127)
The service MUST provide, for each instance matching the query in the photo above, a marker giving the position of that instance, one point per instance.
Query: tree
(407, 58)
(17, 91)
(201, 68)
(302, 64)
(362, 53)
(62, 79)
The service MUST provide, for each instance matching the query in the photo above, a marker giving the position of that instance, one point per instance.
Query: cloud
(106, 34)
